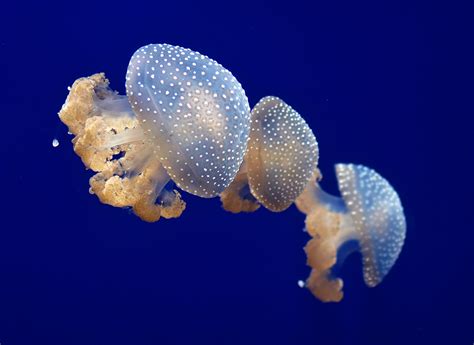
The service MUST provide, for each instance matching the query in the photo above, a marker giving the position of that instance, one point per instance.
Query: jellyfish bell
(281, 157)
(194, 112)
(282, 154)
(141, 146)
(369, 212)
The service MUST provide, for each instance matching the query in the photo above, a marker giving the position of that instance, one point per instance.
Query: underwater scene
(233, 173)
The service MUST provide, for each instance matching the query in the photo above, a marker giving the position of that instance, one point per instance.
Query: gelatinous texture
(282, 154)
(369, 212)
(110, 142)
(377, 215)
(194, 111)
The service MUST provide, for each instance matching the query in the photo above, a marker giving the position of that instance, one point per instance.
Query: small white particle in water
(55, 143)
(301, 283)
(69, 88)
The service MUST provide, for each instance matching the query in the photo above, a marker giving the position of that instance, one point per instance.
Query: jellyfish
(368, 218)
(281, 157)
(184, 123)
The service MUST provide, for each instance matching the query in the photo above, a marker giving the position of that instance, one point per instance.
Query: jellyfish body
(189, 125)
(369, 213)
(281, 157)
(194, 112)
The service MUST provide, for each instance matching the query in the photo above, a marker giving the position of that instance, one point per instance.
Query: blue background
(384, 83)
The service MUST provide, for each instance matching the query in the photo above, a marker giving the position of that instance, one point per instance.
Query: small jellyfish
(281, 157)
(368, 217)
(185, 121)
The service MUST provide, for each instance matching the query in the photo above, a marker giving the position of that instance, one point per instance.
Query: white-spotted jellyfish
(368, 217)
(281, 157)
(185, 120)
(186, 123)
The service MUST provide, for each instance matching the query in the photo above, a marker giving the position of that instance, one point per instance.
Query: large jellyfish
(185, 119)
(281, 157)
(368, 217)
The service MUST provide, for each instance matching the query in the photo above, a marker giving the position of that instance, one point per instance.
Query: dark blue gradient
(387, 84)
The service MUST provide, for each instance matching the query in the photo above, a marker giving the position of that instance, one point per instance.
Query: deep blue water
(382, 83)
